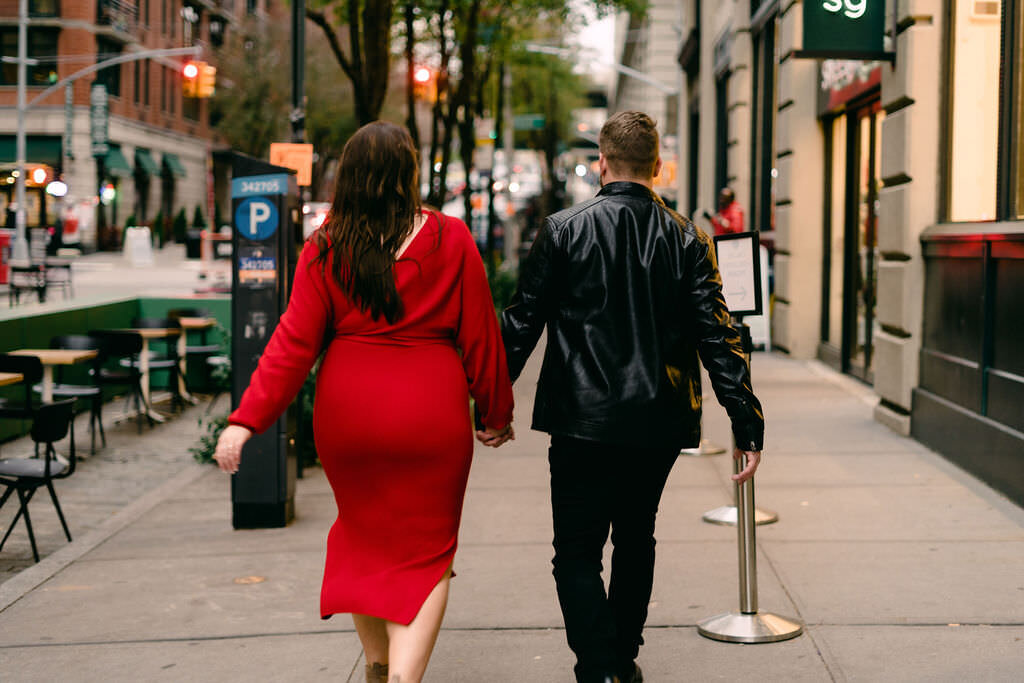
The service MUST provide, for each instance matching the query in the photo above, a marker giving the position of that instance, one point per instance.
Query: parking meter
(266, 233)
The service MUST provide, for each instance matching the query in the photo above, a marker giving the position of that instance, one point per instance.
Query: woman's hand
(495, 437)
(229, 447)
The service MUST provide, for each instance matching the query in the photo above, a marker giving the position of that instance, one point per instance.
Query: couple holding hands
(630, 294)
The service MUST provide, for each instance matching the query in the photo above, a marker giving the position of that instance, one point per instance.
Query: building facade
(892, 195)
(157, 158)
(646, 46)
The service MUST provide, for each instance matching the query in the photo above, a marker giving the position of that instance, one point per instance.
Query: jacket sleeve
(293, 348)
(523, 320)
(719, 346)
(479, 338)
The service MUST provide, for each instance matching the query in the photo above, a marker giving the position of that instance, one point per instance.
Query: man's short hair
(629, 143)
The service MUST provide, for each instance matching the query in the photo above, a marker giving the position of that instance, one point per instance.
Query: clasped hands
(489, 436)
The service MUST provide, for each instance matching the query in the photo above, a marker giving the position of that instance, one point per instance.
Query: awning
(144, 162)
(39, 149)
(173, 164)
(116, 164)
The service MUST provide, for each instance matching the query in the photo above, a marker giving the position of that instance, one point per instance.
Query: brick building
(159, 142)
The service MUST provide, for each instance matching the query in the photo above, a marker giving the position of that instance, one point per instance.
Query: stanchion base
(706, 447)
(726, 516)
(762, 627)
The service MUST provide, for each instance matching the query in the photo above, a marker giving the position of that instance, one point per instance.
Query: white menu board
(740, 268)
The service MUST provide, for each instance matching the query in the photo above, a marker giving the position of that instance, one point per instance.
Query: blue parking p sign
(256, 218)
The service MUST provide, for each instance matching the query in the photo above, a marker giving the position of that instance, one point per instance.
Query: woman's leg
(373, 634)
(411, 645)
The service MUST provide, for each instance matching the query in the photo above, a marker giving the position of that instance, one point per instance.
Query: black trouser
(594, 487)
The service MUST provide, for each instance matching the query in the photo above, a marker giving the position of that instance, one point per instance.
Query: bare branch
(320, 20)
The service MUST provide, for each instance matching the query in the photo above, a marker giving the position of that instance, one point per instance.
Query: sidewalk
(902, 567)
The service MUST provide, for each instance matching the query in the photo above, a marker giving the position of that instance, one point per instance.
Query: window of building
(1017, 135)
(762, 171)
(145, 82)
(42, 45)
(163, 88)
(250, 6)
(136, 82)
(109, 76)
(44, 8)
(984, 167)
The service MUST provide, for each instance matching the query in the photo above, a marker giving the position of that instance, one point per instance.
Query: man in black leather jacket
(630, 294)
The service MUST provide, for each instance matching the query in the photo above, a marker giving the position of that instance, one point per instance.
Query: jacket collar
(625, 187)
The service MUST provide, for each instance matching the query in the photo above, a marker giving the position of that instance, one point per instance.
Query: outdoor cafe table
(52, 357)
(188, 324)
(10, 378)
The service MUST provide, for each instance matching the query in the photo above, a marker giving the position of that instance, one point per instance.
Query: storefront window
(974, 120)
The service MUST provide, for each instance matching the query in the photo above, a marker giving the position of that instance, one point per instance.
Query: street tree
(366, 61)
(250, 106)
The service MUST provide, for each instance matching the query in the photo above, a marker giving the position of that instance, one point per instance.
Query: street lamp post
(19, 251)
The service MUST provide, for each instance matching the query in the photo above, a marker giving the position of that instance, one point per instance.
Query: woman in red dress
(402, 297)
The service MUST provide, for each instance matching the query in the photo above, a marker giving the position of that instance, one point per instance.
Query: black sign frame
(740, 271)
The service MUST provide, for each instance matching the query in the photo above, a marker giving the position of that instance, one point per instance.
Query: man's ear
(657, 168)
(602, 164)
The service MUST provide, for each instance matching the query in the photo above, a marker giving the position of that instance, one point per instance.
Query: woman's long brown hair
(376, 202)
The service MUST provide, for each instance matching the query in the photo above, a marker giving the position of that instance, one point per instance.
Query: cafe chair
(167, 360)
(24, 476)
(31, 278)
(202, 350)
(92, 390)
(31, 369)
(58, 275)
(117, 346)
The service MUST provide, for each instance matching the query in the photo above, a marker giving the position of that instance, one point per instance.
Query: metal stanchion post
(748, 625)
(726, 515)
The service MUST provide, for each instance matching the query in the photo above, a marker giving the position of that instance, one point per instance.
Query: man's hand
(495, 437)
(753, 460)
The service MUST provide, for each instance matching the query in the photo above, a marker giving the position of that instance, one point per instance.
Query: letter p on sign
(256, 218)
(258, 213)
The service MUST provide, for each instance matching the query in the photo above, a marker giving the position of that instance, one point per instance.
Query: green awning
(116, 164)
(39, 149)
(173, 164)
(144, 162)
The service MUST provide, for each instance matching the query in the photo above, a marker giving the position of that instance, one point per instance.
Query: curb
(27, 580)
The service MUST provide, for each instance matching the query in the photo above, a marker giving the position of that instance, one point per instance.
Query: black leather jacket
(630, 293)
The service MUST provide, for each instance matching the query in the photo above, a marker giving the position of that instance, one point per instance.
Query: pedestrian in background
(729, 219)
(630, 294)
(400, 299)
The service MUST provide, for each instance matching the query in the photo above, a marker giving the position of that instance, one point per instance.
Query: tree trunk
(410, 68)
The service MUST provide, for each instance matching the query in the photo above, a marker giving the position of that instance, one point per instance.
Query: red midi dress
(391, 419)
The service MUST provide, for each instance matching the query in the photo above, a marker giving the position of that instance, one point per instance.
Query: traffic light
(190, 79)
(207, 80)
(424, 84)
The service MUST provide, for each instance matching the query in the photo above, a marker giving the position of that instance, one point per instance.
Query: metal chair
(91, 391)
(168, 360)
(58, 274)
(26, 278)
(31, 370)
(116, 346)
(52, 422)
(203, 349)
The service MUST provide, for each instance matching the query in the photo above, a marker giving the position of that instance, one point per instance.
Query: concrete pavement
(902, 567)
